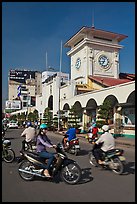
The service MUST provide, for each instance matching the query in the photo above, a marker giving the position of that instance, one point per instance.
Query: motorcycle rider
(29, 133)
(108, 142)
(93, 130)
(69, 135)
(42, 142)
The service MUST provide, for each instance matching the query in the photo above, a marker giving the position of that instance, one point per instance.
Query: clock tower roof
(96, 33)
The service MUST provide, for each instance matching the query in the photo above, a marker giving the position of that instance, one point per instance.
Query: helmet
(94, 125)
(43, 126)
(105, 128)
(29, 124)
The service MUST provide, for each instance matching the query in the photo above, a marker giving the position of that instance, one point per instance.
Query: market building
(95, 77)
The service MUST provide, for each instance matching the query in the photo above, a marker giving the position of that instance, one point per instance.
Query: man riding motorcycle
(29, 133)
(108, 142)
(69, 135)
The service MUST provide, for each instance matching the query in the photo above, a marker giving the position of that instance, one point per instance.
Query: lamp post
(27, 104)
(59, 87)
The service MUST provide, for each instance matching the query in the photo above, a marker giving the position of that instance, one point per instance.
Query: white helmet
(105, 128)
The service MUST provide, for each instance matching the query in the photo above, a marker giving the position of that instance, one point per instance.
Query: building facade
(95, 77)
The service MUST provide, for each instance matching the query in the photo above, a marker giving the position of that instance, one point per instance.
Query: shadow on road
(83, 152)
(86, 176)
(129, 168)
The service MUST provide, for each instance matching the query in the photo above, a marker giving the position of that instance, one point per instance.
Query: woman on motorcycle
(42, 142)
(108, 142)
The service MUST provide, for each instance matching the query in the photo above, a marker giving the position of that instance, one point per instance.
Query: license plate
(77, 146)
(122, 158)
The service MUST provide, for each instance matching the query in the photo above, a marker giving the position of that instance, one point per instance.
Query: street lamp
(59, 86)
(27, 104)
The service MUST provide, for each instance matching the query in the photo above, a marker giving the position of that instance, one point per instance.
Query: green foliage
(105, 111)
(47, 117)
(73, 117)
(13, 117)
(36, 114)
(100, 123)
(31, 117)
(55, 121)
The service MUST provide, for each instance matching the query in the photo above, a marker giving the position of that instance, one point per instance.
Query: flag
(19, 91)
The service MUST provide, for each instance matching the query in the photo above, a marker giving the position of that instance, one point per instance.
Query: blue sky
(30, 29)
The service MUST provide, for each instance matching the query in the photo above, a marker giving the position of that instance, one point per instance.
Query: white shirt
(109, 141)
(29, 133)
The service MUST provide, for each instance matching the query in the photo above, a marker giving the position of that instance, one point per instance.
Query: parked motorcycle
(113, 159)
(72, 146)
(32, 165)
(8, 155)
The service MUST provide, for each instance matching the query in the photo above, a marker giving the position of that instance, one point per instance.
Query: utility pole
(59, 86)
(46, 62)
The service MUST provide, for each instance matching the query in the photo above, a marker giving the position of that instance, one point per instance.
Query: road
(96, 185)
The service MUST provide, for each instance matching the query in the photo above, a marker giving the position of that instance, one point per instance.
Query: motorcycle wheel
(25, 166)
(9, 155)
(71, 173)
(92, 160)
(120, 168)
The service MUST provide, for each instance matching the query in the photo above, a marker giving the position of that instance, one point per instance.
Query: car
(13, 124)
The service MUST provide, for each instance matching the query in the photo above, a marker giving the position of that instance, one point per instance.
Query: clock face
(78, 63)
(104, 61)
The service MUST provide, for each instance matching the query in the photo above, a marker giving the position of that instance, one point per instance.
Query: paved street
(96, 185)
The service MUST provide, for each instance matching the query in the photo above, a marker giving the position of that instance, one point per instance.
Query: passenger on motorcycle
(42, 142)
(108, 142)
(92, 133)
(69, 135)
(29, 133)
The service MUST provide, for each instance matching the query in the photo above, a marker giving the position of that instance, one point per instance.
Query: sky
(32, 29)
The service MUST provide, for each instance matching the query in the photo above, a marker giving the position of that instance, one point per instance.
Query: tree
(73, 118)
(36, 114)
(31, 117)
(55, 121)
(105, 113)
(47, 117)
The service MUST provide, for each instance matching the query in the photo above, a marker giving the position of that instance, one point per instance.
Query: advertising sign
(13, 104)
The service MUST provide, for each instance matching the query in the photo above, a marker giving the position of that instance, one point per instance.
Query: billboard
(21, 75)
(16, 104)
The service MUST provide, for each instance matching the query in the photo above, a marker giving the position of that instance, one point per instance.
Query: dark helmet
(29, 124)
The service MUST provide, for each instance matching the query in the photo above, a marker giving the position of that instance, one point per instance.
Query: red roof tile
(108, 81)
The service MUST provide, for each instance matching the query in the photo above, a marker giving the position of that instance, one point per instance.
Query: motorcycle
(3, 134)
(113, 159)
(32, 165)
(72, 146)
(31, 146)
(8, 155)
(93, 139)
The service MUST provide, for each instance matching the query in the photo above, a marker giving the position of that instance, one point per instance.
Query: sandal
(47, 174)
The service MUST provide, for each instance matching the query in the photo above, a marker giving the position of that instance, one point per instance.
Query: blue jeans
(47, 155)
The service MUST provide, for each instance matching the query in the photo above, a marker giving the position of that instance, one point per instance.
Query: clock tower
(94, 52)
